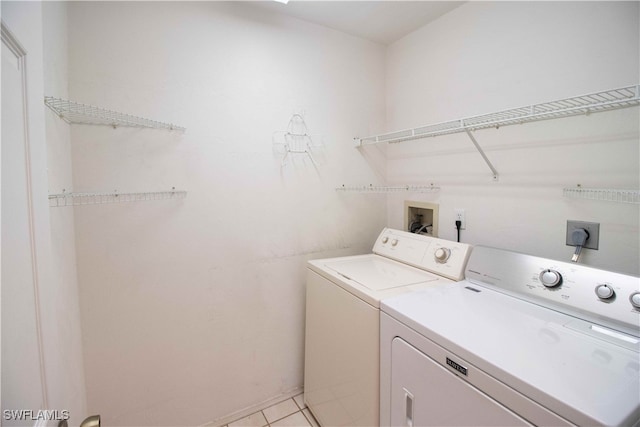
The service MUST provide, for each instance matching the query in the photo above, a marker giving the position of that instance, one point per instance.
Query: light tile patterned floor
(288, 413)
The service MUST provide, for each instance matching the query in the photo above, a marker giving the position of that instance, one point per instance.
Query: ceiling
(379, 21)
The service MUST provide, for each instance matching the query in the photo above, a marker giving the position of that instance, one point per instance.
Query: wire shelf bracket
(484, 156)
(373, 189)
(76, 113)
(596, 102)
(603, 194)
(77, 199)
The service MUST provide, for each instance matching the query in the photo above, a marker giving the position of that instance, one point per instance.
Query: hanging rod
(584, 104)
(76, 199)
(386, 189)
(76, 113)
(603, 194)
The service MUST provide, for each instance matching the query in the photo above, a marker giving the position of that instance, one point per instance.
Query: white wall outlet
(459, 216)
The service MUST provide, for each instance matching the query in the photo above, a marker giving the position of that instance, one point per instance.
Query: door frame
(14, 45)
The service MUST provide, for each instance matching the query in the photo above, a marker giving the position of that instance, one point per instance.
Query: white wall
(491, 56)
(194, 309)
(65, 351)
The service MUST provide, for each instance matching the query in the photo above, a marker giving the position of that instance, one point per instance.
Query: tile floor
(288, 413)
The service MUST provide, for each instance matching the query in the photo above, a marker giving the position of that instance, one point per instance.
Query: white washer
(342, 343)
(522, 341)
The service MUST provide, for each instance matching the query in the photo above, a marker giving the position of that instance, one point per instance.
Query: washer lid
(378, 273)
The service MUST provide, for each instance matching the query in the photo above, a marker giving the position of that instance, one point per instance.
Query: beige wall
(65, 344)
(490, 56)
(194, 309)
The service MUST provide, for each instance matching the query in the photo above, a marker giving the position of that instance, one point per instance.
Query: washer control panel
(597, 295)
(438, 256)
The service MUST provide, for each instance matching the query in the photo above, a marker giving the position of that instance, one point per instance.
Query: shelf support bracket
(484, 156)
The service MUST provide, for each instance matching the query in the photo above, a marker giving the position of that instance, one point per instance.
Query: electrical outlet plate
(593, 228)
(459, 216)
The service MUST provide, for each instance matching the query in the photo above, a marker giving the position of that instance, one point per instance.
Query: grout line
(282, 418)
(225, 421)
(307, 418)
(294, 400)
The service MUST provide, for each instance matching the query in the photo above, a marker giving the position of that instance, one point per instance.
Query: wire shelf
(77, 199)
(388, 189)
(295, 140)
(608, 195)
(76, 113)
(585, 104)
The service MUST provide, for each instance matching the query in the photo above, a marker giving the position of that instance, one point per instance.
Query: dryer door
(425, 393)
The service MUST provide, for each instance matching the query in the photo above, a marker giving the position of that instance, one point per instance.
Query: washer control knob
(550, 278)
(441, 255)
(634, 299)
(394, 242)
(604, 291)
(385, 239)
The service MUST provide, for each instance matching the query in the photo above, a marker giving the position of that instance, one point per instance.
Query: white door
(425, 393)
(22, 368)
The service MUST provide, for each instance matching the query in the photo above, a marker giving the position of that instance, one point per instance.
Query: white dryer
(522, 341)
(342, 342)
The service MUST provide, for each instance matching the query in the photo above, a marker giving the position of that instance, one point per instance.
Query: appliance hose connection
(579, 238)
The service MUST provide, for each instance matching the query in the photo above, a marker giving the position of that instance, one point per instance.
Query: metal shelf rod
(77, 199)
(603, 194)
(388, 189)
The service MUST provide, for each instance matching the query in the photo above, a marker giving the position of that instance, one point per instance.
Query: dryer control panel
(439, 256)
(603, 297)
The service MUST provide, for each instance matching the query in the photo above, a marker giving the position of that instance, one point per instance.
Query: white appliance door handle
(408, 407)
